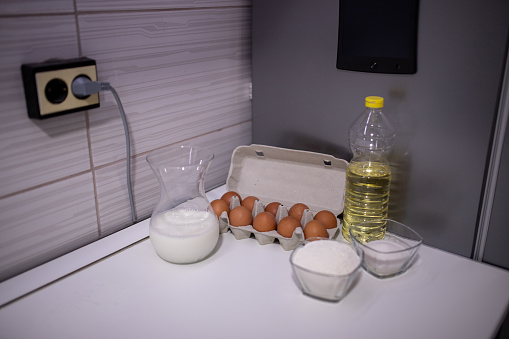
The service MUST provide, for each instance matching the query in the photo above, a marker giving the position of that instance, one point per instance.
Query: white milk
(184, 236)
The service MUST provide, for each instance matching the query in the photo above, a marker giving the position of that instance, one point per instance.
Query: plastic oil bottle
(368, 176)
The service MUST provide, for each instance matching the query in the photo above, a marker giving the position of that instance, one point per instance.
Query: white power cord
(83, 87)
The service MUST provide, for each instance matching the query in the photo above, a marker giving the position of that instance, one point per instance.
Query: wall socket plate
(48, 87)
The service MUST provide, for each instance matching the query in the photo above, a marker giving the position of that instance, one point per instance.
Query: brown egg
(327, 218)
(228, 197)
(297, 210)
(249, 202)
(315, 228)
(240, 216)
(219, 206)
(272, 208)
(287, 225)
(264, 222)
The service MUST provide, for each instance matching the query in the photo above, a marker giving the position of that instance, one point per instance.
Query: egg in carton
(264, 238)
(287, 176)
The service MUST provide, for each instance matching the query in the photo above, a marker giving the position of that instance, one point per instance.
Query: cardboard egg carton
(286, 176)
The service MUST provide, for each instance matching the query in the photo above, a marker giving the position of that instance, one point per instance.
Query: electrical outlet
(48, 87)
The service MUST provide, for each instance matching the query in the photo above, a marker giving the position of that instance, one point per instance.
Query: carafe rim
(166, 156)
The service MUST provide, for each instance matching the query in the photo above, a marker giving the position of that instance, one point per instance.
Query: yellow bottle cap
(374, 102)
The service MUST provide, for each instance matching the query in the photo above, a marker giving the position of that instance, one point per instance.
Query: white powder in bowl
(327, 257)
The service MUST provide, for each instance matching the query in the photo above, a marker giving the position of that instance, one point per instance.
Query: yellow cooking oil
(366, 198)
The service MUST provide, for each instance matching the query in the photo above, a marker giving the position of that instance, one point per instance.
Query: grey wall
(444, 114)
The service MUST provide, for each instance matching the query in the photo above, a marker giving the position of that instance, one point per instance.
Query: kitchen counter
(119, 288)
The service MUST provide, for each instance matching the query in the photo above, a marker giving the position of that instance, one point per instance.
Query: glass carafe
(183, 228)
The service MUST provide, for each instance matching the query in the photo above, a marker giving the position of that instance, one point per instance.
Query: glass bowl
(324, 268)
(392, 253)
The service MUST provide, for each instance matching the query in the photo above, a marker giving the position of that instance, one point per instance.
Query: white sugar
(385, 257)
(327, 257)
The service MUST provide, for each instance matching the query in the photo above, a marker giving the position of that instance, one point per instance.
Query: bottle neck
(370, 155)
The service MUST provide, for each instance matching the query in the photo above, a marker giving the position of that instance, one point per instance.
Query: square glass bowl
(389, 247)
(325, 268)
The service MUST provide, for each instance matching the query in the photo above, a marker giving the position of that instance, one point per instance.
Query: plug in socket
(48, 87)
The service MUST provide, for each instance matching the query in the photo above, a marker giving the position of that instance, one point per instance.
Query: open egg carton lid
(288, 177)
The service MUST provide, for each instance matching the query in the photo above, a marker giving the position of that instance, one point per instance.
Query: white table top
(245, 290)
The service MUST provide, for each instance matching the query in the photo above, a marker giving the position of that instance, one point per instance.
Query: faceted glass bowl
(329, 287)
(391, 255)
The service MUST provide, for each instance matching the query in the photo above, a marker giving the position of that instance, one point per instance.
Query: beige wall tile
(34, 152)
(179, 75)
(183, 77)
(101, 5)
(17, 7)
(46, 222)
(112, 193)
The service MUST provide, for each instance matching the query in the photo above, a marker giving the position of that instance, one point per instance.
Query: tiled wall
(182, 69)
